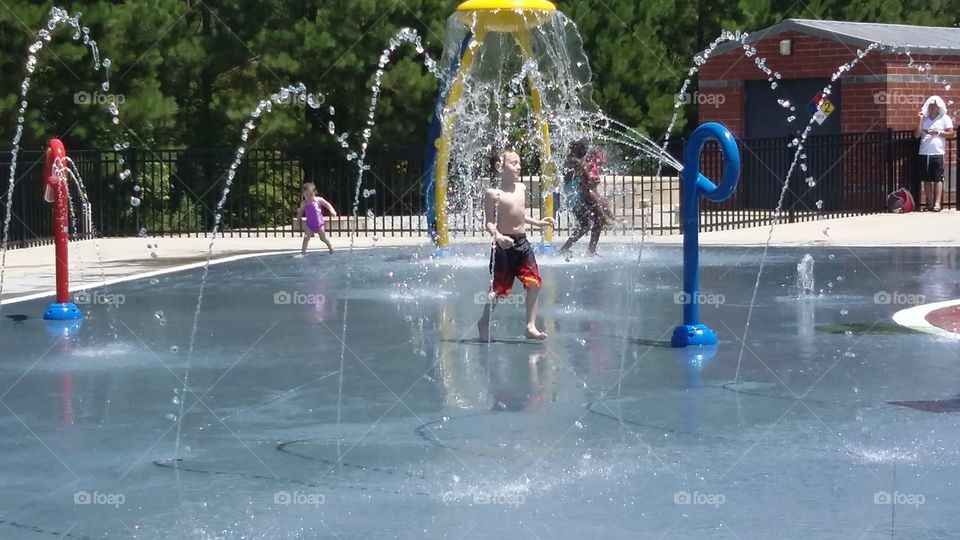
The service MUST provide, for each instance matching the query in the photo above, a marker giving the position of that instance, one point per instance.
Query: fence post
(891, 168)
(790, 196)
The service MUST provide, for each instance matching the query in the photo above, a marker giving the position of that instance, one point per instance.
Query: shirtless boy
(512, 256)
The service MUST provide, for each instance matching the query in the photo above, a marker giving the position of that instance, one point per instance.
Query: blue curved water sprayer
(694, 184)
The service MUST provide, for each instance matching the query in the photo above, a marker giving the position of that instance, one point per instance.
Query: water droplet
(174, 348)
(831, 256)
(154, 281)
(849, 354)
(143, 232)
(153, 254)
(171, 417)
(826, 231)
(134, 202)
(175, 400)
(819, 205)
(369, 213)
(331, 128)
(844, 312)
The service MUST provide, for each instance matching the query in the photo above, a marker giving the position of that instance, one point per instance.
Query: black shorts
(517, 262)
(931, 168)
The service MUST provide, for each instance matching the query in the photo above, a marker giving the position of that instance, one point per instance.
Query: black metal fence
(840, 175)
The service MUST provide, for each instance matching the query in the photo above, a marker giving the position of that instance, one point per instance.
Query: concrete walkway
(30, 272)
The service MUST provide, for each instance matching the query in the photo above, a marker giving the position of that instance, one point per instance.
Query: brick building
(881, 92)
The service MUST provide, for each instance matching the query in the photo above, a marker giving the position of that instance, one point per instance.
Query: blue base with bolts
(62, 312)
(442, 252)
(692, 334)
(63, 328)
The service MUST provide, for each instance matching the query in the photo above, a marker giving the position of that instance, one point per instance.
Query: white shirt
(934, 145)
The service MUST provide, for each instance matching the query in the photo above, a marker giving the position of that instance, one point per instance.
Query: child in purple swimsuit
(310, 209)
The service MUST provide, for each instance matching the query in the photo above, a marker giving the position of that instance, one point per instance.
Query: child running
(594, 161)
(511, 257)
(310, 208)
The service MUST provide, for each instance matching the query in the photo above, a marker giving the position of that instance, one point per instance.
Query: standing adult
(933, 129)
(576, 184)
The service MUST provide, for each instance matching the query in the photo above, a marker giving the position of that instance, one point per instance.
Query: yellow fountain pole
(443, 143)
(512, 16)
(546, 161)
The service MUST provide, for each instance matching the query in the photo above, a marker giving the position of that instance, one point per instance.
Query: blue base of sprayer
(544, 248)
(440, 253)
(63, 328)
(62, 312)
(692, 334)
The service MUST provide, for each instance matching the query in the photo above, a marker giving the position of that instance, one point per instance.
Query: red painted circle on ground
(947, 318)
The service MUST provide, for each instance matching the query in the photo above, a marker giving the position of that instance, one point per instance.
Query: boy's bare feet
(533, 333)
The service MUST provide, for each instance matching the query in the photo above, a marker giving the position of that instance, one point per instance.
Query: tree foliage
(190, 71)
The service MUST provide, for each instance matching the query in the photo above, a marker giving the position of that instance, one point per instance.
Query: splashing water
(805, 282)
(68, 167)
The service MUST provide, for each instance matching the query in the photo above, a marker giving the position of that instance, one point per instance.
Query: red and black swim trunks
(513, 262)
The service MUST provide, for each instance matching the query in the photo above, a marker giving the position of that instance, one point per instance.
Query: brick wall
(869, 100)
